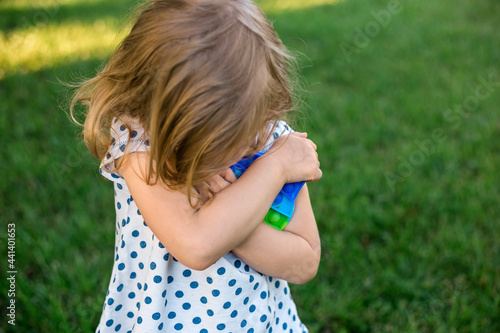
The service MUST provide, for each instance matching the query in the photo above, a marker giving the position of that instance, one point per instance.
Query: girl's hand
(297, 157)
(222, 180)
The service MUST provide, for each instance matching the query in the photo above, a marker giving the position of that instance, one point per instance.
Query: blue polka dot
(133, 134)
(179, 294)
(186, 306)
(160, 327)
(141, 265)
(210, 312)
(227, 305)
(196, 320)
(209, 280)
(157, 279)
(194, 284)
(232, 283)
(148, 300)
(117, 185)
(251, 330)
(165, 257)
(256, 286)
(237, 264)
(133, 254)
(118, 327)
(110, 301)
(119, 307)
(263, 318)
(131, 295)
(221, 271)
(245, 301)
(139, 319)
(142, 244)
(251, 278)
(203, 300)
(156, 316)
(238, 291)
(263, 295)
(234, 314)
(280, 305)
(247, 268)
(123, 244)
(220, 327)
(252, 308)
(164, 293)
(121, 266)
(161, 245)
(122, 128)
(130, 314)
(109, 323)
(243, 323)
(119, 205)
(277, 284)
(215, 292)
(170, 279)
(285, 290)
(178, 326)
(133, 275)
(152, 265)
(285, 326)
(122, 148)
(135, 233)
(145, 286)
(171, 315)
(187, 273)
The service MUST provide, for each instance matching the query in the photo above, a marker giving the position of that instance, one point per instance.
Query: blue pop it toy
(281, 210)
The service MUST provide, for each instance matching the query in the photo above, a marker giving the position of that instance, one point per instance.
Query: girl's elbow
(305, 272)
(198, 257)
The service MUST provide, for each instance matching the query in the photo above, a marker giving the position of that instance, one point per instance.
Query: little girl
(196, 86)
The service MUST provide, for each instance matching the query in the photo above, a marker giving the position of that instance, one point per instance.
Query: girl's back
(194, 87)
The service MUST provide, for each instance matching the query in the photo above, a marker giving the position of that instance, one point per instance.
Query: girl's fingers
(228, 175)
(218, 183)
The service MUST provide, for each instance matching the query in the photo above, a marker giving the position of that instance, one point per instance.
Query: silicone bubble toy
(281, 210)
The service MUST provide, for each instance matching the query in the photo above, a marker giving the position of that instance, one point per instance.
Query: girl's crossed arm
(199, 238)
(292, 254)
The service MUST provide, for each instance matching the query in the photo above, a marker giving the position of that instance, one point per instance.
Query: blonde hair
(206, 78)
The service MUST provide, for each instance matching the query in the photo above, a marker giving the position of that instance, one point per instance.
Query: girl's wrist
(272, 166)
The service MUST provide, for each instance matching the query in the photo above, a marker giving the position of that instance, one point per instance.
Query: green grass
(409, 219)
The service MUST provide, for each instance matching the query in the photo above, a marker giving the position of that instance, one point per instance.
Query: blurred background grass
(409, 205)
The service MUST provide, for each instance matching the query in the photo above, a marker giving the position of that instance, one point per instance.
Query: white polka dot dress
(150, 291)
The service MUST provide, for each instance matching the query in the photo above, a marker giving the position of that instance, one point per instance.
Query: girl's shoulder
(127, 136)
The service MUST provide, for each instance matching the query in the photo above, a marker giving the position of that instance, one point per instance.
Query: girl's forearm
(200, 238)
(292, 254)
(237, 211)
(280, 254)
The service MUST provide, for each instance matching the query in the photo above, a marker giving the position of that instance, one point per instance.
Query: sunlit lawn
(402, 100)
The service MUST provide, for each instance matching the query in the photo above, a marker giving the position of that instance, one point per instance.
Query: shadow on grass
(12, 19)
